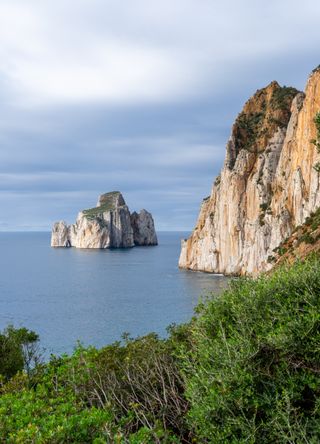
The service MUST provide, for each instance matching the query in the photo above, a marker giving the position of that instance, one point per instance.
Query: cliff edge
(268, 185)
(108, 225)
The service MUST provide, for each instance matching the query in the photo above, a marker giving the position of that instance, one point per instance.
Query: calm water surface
(94, 296)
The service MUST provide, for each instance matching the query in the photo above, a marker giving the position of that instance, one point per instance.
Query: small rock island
(108, 225)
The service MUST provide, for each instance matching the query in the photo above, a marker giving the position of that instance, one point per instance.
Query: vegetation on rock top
(282, 98)
(107, 204)
(267, 110)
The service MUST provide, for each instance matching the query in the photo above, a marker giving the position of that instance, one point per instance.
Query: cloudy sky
(134, 95)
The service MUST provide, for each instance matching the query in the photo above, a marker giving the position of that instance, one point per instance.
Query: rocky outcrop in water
(267, 187)
(143, 228)
(108, 225)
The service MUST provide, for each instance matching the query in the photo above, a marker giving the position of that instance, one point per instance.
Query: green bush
(18, 351)
(250, 125)
(282, 98)
(264, 206)
(316, 142)
(35, 416)
(307, 239)
(140, 379)
(131, 393)
(313, 220)
(253, 373)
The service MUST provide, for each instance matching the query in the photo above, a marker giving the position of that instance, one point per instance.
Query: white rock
(60, 235)
(143, 228)
(108, 225)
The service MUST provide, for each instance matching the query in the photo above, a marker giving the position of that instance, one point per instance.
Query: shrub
(282, 250)
(131, 393)
(18, 351)
(36, 416)
(250, 125)
(307, 239)
(282, 98)
(253, 374)
(316, 142)
(313, 220)
(261, 219)
(264, 206)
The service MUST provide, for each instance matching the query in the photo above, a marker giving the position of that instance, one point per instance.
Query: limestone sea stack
(268, 185)
(108, 225)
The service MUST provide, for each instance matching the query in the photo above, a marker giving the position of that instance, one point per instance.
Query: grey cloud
(160, 135)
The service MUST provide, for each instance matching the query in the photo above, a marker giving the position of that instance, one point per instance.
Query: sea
(68, 295)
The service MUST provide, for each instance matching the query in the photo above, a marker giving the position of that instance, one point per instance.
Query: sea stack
(268, 186)
(108, 225)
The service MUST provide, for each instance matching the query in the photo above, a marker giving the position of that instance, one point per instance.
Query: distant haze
(134, 95)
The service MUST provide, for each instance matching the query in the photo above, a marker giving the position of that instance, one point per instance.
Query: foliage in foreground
(253, 374)
(245, 370)
(122, 393)
(18, 351)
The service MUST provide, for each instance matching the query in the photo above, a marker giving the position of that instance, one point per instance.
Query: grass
(107, 205)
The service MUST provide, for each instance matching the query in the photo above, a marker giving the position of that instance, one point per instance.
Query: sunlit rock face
(267, 187)
(108, 225)
(60, 235)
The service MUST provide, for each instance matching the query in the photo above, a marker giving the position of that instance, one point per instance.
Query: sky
(134, 95)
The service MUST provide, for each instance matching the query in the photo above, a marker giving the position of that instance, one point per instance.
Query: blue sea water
(93, 296)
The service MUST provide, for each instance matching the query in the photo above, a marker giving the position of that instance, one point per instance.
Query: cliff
(108, 225)
(267, 187)
(304, 241)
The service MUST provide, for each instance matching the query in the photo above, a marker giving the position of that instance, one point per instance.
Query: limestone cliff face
(108, 225)
(267, 186)
(143, 228)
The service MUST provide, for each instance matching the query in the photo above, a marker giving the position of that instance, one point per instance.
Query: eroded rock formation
(267, 187)
(143, 228)
(108, 225)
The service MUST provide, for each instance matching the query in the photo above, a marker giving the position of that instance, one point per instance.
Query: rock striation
(143, 228)
(267, 187)
(108, 225)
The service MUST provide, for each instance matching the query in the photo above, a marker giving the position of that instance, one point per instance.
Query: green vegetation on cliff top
(254, 128)
(107, 204)
(282, 97)
(246, 369)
